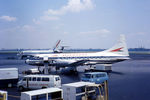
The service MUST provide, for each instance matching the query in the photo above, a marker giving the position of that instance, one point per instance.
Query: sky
(38, 24)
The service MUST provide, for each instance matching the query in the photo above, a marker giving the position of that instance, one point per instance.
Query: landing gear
(46, 67)
(57, 68)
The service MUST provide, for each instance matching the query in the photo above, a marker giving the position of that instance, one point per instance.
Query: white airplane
(28, 53)
(117, 53)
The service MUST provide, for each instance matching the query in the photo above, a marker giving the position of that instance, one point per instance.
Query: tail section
(56, 45)
(120, 47)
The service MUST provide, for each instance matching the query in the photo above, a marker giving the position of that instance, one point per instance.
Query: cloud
(48, 18)
(65, 33)
(137, 34)
(141, 33)
(72, 6)
(8, 18)
(36, 21)
(28, 28)
(45, 18)
(18, 29)
(10, 30)
(100, 31)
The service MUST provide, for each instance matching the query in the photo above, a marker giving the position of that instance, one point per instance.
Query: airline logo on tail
(117, 50)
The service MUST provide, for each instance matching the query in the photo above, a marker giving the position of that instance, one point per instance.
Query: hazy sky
(78, 23)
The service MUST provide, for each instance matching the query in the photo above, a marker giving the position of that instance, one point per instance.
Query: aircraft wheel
(43, 87)
(21, 88)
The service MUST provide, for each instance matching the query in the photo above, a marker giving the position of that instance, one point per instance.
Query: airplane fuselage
(65, 59)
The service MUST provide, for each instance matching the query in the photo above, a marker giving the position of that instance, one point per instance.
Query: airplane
(117, 53)
(26, 54)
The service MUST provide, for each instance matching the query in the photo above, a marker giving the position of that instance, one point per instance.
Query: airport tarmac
(128, 81)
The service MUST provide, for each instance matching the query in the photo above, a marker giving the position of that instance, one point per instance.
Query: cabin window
(45, 79)
(34, 79)
(38, 79)
(29, 78)
(57, 78)
(80, 89)
(24, 79)
(87, 76)
(39, 97)
(92, 76)
(100, 75)
(54, 96)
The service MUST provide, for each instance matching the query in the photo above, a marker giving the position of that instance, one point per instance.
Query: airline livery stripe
(115, 50)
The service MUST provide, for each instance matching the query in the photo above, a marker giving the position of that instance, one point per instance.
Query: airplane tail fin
(56, 45)
(120, 47)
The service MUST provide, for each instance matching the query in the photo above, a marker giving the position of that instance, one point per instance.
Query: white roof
(1, 69)
(78, 84)
(3, 91)
(34, 69)
(41, 75)
(42, 91)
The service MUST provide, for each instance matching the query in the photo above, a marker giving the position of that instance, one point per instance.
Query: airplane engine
(35, 62)
(90, 63)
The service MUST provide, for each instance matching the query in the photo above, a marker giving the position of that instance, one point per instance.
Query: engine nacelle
(35, 62)
(90, 63)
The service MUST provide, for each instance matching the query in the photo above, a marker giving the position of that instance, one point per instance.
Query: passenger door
(57, 82)
(24, 82)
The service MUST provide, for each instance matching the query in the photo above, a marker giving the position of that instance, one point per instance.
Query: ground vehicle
(39, 81)
(32, 71)
(100, 68)
(43, 94)
(96, 77)
(76, 90)
(8, 77)
(3, 95)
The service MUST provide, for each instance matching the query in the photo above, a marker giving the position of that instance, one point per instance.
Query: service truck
(8, 77)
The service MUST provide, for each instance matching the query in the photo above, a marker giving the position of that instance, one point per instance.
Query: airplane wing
(78, 63)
